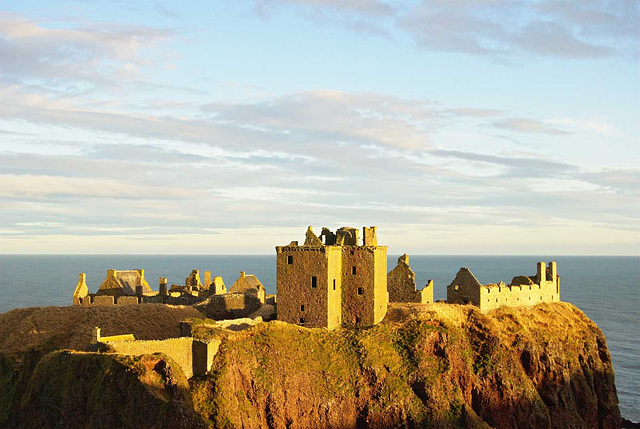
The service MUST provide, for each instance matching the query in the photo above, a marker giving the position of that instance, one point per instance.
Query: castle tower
(327, 285)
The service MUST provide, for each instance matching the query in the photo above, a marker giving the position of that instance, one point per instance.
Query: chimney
(243, 274)
(163, 286)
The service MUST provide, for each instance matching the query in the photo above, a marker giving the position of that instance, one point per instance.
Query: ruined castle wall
(364, 285)
(178, 349)
(496, 296)
(203, 353)
(425, 296)
(300, 300)
(464, 289)
(103, 300)
(126, 300)
(401, 284)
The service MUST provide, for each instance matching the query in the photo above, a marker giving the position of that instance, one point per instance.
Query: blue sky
(457, 127)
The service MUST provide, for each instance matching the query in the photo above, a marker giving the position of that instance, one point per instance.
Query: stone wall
(401, 284)
(364, 285)
(194, 357)
(229, 305)
(523, 290)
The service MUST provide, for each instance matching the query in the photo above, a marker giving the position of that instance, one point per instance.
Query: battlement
(523, 290)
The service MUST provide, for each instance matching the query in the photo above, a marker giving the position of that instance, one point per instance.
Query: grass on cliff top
(53, 328)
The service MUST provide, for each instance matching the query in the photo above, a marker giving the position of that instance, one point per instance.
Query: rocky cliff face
(425, 366)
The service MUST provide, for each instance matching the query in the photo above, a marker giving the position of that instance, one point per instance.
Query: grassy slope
(72, 389)
(29, 334)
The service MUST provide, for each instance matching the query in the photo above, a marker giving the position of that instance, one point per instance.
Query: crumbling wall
(523, 290)
(81, 292)
(229, 306)
(178, 349)
(464, 289)
(126, 300)
(401, 284)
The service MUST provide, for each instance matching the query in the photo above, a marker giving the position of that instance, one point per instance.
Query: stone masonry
(335, 282)
(523, 290)
(401, 283)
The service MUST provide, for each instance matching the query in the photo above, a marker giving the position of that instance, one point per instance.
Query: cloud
(361, 7)
(359, 16)
(527, 125)
(90, 52)
(325, 156)
(25, 186)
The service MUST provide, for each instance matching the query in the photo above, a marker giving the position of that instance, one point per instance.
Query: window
(334, 284)
(301, 321)
(290, 260)
(314, 281)
(352, 252)
(353, 270)
(302, 307)
(357, 320)
(360, 291)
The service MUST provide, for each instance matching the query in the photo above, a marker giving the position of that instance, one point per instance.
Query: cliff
(435, 365)
(425, 366)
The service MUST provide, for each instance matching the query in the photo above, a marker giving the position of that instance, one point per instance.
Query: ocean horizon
(606, 288)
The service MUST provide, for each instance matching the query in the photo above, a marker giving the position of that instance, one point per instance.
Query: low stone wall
(178, 349)
(194, 357)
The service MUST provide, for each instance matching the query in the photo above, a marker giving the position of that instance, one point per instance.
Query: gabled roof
(124, 283)
(466, 277)
(246, 283)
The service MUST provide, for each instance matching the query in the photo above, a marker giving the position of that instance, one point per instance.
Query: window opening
(301, 307)
(353, 270)
(314, 281)
(290, 260)
(360, 291)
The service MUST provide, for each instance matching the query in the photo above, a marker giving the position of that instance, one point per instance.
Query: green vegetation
(434, 365)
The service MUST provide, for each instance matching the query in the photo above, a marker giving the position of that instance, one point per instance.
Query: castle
(327, 282)
(331, 280)
(125, 287)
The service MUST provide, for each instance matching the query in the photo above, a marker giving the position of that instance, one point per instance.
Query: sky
(227, 127)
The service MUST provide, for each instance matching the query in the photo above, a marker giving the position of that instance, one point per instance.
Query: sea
(607, 288)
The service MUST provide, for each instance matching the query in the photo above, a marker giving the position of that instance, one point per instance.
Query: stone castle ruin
(523, 290)
(246, 296)
(329, 281)
(335, 280)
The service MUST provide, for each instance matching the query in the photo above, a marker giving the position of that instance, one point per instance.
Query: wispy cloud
(527, 125)
(502, 28)
(88, 53)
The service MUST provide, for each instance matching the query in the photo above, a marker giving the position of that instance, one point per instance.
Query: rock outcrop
(435, 365)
